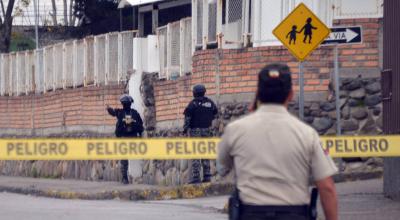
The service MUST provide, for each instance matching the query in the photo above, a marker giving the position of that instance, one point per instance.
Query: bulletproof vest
(203, 113)
(126, 124)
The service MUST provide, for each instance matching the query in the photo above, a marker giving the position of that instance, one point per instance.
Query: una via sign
(344, 35)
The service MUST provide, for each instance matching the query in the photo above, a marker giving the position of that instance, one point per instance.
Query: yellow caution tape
(362, 146)
(107, 149)
(173, 148)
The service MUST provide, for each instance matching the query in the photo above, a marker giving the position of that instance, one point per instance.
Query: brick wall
(234, 71)
(60, 109)
(224, 72)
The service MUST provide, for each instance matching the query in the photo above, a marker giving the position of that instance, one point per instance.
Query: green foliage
(20, 43)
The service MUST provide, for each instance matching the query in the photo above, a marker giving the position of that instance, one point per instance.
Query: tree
(72, 18)
(69, 18)
(97, 16)
(6, 20)
(53, 14)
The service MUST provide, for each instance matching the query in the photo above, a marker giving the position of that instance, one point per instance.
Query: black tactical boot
(207, 179)
(124, 172)
(206, 171)
(125, 180)
(195, 181)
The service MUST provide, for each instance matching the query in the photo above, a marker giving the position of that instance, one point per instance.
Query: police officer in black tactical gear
(199, 115)
(129, 124)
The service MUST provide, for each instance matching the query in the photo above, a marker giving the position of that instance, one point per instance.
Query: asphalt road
(361, 200)
(21, 207)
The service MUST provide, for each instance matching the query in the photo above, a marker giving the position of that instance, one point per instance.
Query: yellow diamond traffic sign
(301, 32)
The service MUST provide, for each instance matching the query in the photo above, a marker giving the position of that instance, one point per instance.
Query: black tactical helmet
(199, 90)
(125, 98)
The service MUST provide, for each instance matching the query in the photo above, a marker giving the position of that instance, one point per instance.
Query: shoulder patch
(326, 150)
(207, 104)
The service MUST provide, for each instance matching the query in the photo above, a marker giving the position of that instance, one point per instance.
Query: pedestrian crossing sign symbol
(301, 32)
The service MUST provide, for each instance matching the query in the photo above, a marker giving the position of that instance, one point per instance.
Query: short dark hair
(274, 84)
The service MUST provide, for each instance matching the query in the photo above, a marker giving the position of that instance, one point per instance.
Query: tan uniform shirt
(274, 155)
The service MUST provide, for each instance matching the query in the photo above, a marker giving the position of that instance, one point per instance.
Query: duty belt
(296, 209)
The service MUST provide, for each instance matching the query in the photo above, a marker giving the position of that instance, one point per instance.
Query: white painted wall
(145, 59)
(358, 9)
(139, 51)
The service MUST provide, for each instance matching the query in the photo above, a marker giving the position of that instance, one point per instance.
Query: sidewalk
(359, 200)
(90, 190)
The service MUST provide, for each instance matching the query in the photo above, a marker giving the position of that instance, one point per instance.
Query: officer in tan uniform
(274, 156)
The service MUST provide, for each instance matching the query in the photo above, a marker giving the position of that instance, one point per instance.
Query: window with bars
(353, 9)
(199, 22)
(68, 64)
(175, 48)
(163, 50)
(226, 17)
(212, 22)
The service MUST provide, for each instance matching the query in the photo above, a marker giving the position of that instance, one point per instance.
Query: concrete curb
(349, 177)
(162, 193)
(181, 192)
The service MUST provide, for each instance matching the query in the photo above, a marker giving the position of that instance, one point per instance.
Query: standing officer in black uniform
(129, 124)
(199, 115)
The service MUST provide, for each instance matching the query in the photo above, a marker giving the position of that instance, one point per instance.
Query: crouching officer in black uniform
(274, 156)
(129, 124)
(199, 115)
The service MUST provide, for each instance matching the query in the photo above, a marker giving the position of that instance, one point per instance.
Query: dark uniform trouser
(196, 164)
(252, 213)
(124, 169)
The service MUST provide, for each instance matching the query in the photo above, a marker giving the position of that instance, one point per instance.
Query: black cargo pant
(125, 163)
(124, 169)
(196, 164)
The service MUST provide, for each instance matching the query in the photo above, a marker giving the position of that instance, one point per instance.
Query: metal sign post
(337, 92)
(301, 93)
(337, 99)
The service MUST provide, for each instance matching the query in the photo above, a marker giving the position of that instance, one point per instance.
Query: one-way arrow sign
(344, 35)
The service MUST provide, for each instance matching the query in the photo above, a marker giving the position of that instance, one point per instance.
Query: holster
(313, 204)
(234, 206)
